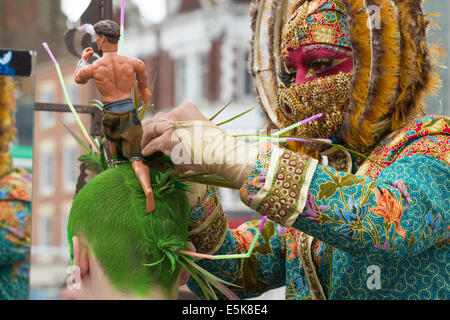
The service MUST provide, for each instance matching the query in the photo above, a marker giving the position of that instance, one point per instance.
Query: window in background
(70, 167)
(74, 94)
(45, 233)
(46, 173)
(47, 119)
(203, 85)
(180, 79)
(63, 232)
(244, 79)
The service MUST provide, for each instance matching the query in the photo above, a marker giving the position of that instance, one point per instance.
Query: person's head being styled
(118, 250)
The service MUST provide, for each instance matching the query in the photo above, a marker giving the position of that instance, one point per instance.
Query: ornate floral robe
(343, 230)
(15, 225)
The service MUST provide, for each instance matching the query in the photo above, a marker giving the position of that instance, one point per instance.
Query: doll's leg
(112, 149)
(143, 174)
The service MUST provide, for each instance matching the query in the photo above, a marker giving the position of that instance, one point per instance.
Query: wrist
(82, 62)
(212, 151)
(208, 224)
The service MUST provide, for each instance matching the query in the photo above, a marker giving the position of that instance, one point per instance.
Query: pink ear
(184, 277)
(80, 257)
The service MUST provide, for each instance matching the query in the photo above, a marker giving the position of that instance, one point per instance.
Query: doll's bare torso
(113, 75)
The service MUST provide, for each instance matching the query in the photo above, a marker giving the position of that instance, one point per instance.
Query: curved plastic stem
(66, 95)
(230, 256)
(122, 27)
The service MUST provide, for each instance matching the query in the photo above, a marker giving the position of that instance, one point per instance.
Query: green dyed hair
(135, 249)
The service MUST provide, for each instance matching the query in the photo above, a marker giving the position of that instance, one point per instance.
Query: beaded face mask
(314, 26)
(328, 95)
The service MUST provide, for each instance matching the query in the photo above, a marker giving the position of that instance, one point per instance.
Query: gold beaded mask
(328, 95)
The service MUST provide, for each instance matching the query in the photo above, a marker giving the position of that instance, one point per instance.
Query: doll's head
(118, 247)
(108, 28)
(107, 33)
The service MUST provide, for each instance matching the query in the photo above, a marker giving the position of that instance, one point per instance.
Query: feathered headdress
(394, 67)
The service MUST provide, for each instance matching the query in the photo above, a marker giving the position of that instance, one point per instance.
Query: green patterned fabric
(15, 228)
(380, 234)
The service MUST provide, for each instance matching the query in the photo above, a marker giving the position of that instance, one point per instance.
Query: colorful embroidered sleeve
(262, 271)
(15, 218)
(207, 223)
(15, 200)
(400, 214)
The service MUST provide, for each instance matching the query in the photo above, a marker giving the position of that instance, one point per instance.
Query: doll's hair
(108, 28)
(136, 249)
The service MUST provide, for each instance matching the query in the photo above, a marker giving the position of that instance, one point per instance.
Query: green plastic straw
(298, 124)
(66, 95)
(122, 27)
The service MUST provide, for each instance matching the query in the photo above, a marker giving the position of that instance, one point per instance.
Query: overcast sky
(152, 10)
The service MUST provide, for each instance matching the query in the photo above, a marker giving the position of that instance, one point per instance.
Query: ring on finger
(167, 120)
(155, 133)
(169, 127)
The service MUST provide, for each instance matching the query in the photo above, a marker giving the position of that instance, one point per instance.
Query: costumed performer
(343, 227)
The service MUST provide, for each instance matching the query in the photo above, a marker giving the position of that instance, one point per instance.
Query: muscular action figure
(114, 76)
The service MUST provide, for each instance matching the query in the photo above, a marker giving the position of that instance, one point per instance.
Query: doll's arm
(142, 80)
(84, 71)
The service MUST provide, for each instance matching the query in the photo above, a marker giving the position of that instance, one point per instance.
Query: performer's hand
(87, 53)
(146, 96)
(197, 144)
(159, 134)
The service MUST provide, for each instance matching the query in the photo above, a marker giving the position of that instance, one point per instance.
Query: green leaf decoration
(350, 180)
(135, 98)
(371, 186)
(412, 241)
(220, 111)
(208, 279)
(96, 104)
(327, 190)
(95, 162)
(77, 138)
(432, 123)
(235, 117)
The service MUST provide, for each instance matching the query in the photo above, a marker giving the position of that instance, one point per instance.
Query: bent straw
(66, 95)
(298, 124)
(278, 140)
(262, 137)
(230, 256)
(122, 27)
